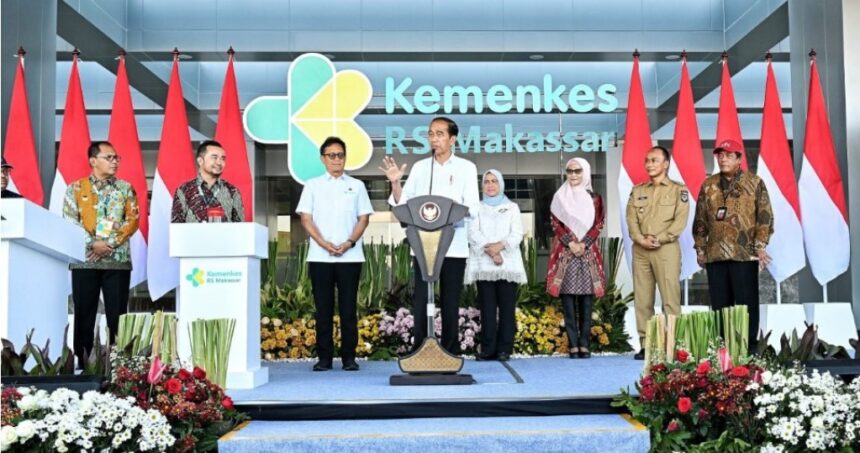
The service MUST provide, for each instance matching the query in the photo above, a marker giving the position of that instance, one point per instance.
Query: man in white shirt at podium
(335, 210)
(455, 178)
(208, 198)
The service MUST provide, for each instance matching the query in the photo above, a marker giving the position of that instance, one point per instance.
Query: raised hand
(391, 170)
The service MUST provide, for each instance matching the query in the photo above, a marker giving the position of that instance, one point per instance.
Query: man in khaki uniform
(656, 215)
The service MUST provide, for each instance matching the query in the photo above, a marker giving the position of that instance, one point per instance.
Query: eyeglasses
(335, 156)
(573, 171)
(111, 158)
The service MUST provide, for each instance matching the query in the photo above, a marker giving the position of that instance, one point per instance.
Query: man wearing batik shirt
(106, 208)
(732, 226)
(208, 198)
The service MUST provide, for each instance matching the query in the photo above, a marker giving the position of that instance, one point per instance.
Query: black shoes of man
(325, 365)
(639, 355)
(501, 357)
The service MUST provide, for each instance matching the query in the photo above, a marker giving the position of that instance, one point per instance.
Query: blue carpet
(547, 377)
(581, 433)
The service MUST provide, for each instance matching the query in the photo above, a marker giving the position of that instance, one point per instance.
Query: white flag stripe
(786, 245)
(689, 265)
(138, 259)
(58, 194)
(625, 185)
(163, 271)
(825, 233)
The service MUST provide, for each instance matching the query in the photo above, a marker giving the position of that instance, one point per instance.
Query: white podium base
(34, 296)
(781, 318)
(213, 288)
(247, 379)
(835, 321)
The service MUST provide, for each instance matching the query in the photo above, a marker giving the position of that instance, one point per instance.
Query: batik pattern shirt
(107, 210)
(195, 197)
(734, 218)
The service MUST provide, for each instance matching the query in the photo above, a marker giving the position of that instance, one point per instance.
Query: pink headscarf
(573, 204)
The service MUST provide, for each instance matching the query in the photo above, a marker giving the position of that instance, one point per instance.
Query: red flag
(637, 142)
(72, 161)
(20, 146)
(822, 195)
(688, 165)
(123, 136)
(231, 134)
(175, 166)
(728, 125)
(776, 170)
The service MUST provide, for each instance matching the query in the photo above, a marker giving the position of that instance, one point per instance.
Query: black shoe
(322, 366)
(639, 355)
(574, 355)
(584, 354)
(350, 365)
(504, 357)
(485, 357)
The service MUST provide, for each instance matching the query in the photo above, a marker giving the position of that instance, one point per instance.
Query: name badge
(721, 213)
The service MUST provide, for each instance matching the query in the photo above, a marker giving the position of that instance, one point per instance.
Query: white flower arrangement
(801, 411)
(92, 421)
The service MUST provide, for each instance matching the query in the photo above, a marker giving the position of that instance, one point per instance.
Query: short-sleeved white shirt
(456, 179)
(335, 205)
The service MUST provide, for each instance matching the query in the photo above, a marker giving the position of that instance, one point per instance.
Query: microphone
(432, 164)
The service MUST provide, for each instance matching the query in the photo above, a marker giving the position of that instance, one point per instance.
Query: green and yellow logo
(196, 277)
(321, 102)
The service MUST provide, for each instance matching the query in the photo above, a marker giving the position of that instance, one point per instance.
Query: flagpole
(824, 289)
(778, 294)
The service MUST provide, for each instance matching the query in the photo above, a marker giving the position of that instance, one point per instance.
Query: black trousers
(325, 277)
(733, 283)
(577, 319)
(87, 284)
(450, 286)
(497, 297)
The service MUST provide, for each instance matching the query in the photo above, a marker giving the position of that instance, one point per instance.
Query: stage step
(587, 433)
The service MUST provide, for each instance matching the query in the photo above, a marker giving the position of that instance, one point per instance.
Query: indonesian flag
(20, 146)
(175, 166)
(776, 169)
(123, 136)
(728, 125)
(822, 196)
(231, 134)
(72, 160)
(688, 165)
(637, 142)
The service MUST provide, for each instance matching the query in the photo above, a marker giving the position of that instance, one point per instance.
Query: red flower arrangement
(198, 410)
(693, 402)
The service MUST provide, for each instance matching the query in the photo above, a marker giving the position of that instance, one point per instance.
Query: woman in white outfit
(496, 265)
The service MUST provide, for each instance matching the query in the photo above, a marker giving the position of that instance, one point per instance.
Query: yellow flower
(277, 322)
(604, 339)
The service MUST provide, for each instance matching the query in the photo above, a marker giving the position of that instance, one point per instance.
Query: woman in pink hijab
(575, 265)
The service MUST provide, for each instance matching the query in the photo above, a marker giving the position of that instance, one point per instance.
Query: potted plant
(50, 375)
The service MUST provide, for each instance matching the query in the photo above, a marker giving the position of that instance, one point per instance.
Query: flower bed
(713, 404)
(387, 335)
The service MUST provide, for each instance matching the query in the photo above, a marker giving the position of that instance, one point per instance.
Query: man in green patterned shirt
(106, 208)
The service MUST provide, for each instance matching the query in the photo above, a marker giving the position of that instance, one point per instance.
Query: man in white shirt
(335, 210)
(455, 178)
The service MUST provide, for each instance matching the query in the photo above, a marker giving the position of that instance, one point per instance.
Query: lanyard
(209, 200)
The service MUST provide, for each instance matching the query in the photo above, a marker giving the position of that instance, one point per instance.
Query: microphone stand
(431, 300)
